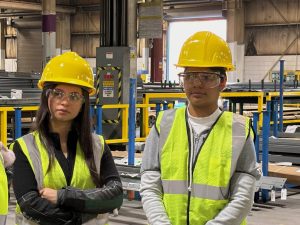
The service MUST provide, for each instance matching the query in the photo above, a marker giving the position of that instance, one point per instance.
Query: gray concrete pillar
(235, 21)
(132, 39)
(2, 43)
(49, 30)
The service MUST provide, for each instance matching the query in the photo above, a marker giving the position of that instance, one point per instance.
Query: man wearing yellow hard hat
(199, 164)
(70, 175)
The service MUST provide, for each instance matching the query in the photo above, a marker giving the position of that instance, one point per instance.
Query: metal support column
(49, 30)
(157, 60)
(233, 107)
(241, 108)
(256, 135)
(132, 44)
(275, 118)
(99, 119)
(265, 150)
(165, 105)
(131, 121)
(281, 96)
(18, 122)
(157, 108)
(2, 43)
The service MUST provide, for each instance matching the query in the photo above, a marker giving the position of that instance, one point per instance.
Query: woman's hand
(8, 155)
(49, 194)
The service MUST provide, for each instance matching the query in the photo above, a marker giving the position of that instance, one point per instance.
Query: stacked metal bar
(284, 150)
(26, 82)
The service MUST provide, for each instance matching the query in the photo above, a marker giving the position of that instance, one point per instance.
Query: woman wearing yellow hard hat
(70, 174)
(199, 165)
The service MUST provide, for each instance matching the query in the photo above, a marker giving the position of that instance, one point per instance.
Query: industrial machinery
(112, 86)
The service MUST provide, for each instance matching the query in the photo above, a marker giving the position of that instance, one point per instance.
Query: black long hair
(81, 124)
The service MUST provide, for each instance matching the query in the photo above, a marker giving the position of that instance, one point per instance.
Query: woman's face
(65, 102)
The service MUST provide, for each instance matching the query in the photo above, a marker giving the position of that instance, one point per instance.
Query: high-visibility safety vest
(3, 192)
(37, 156)
(194, 193)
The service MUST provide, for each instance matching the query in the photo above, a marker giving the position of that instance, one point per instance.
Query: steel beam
(22, 5)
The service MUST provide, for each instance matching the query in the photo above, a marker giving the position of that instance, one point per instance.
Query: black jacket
(73, 204)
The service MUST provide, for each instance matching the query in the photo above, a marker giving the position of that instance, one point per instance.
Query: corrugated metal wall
(85, 33)
(63, 40)
(273, 25)
(29, 50)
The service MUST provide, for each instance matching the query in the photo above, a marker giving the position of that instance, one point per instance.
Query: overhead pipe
(114, 23)
(124, 23)
(186, 2)
(107, 20)
(19, 14)
(102, 24)
(27, 23)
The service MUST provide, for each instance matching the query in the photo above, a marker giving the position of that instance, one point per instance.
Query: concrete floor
(272, 213)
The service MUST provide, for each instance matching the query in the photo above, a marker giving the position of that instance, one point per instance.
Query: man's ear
(222, 84)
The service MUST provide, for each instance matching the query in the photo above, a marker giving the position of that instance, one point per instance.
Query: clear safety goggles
(60, 95)
(206, 79)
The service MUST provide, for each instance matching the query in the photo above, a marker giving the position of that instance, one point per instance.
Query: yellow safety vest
(3, 192)
(37, 156)
(197, 198)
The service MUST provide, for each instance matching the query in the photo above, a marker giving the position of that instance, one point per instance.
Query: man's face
(202, 87)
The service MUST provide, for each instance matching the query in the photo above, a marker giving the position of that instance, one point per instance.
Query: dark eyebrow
(58, 89)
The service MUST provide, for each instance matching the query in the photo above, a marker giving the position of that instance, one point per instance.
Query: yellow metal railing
(146, 101)
(124, 115)
(270, 95)
(145, 109)
(124, 112)
(3, 120)
(260, 100)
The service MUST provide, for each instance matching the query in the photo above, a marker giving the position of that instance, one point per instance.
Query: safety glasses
(206, 79)
(58, 94)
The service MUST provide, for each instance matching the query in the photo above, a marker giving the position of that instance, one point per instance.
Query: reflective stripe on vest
(38, 158)
(2, 219)
(3, 191)
(211, 175)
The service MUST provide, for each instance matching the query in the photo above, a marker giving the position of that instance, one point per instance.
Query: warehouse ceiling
(192, 9)
(173, 9)
(167, 4)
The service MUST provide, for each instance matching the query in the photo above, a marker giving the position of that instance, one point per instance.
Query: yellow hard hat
(68, 68)
(205, 49)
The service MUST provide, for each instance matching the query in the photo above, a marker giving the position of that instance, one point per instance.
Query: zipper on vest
(191, 156)
(188, 209)
(190, 174)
